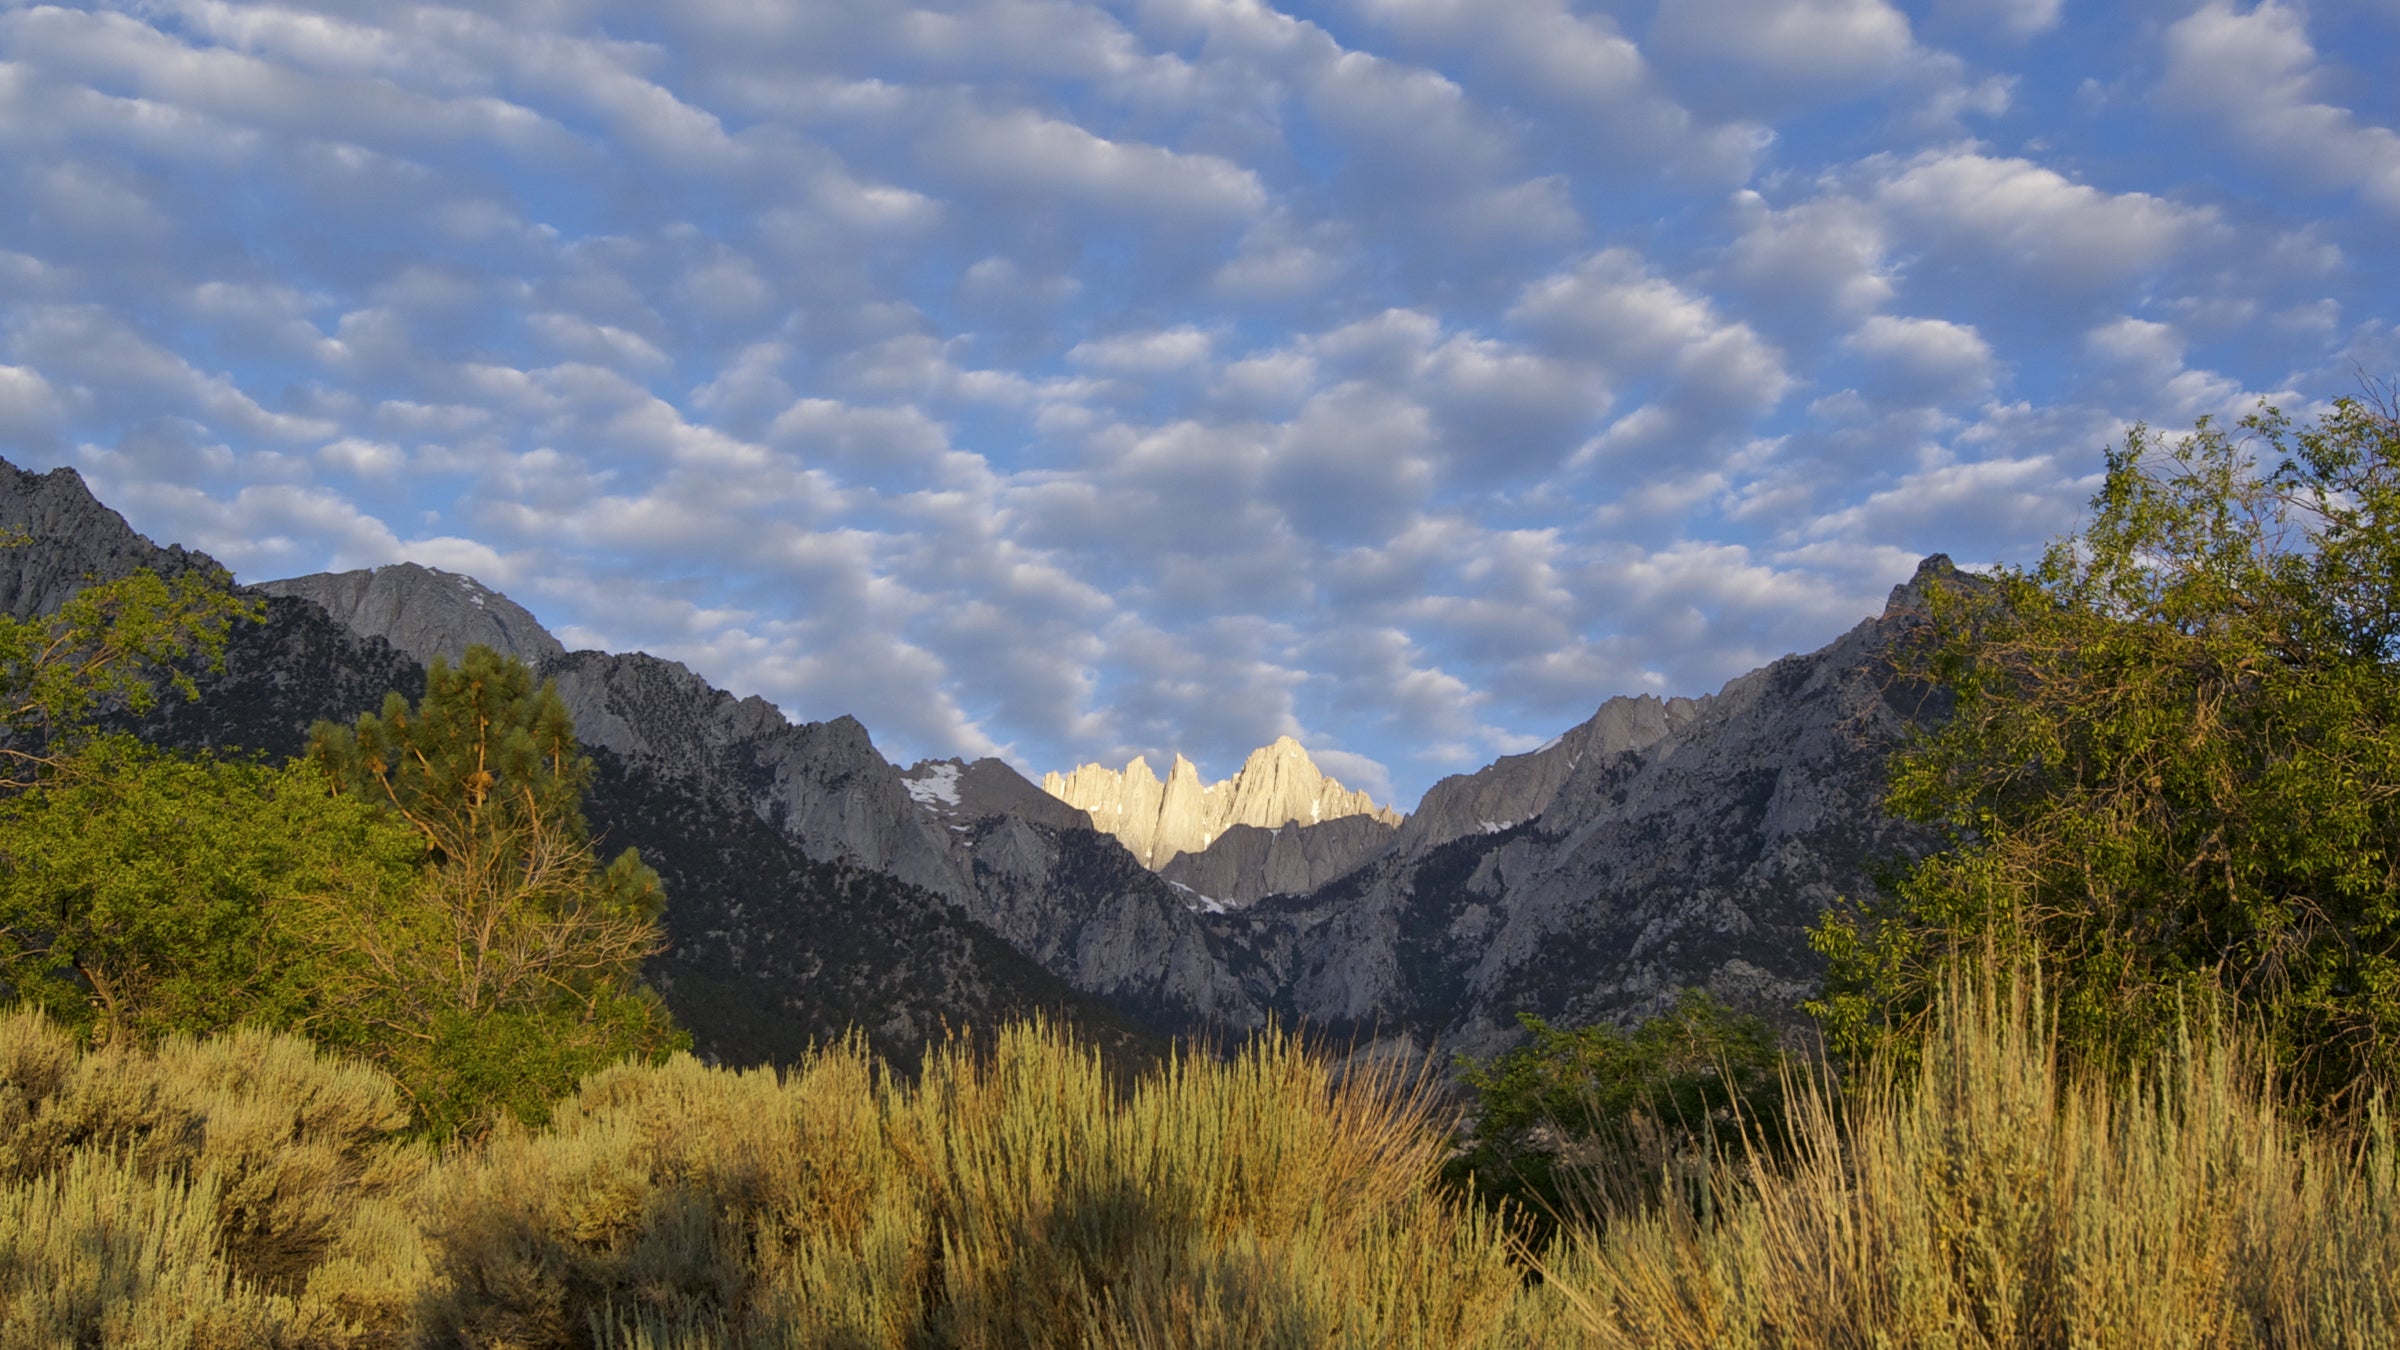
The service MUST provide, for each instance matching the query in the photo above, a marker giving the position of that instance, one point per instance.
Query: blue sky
(1066, 381)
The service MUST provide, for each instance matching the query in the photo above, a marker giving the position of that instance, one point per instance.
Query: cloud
(1017, 151)
(2036, 219)
(2258, 76)
(1151, 352)
(29, 410)
(1788, 44)
(2017, 19)
(1925, 360)
(1629, 323)
(1071, 380)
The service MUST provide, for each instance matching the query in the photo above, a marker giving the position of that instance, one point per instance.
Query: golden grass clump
(1013, 1197)
(243, 1190)
(132, 1183)
(1993, 1199)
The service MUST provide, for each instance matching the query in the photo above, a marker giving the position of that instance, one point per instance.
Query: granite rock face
(960, 793)
(1668, 845)
(70, 541)
(1247, 863)
(821, 783)
(1277, 785)
(425, 612)
(1516, 788)
(1079, 903)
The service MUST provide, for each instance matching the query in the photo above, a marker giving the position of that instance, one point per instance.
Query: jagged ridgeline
(1278, 826)
(1659, 845)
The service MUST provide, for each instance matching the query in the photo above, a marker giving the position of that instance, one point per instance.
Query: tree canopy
(110, 644)
(2172, 777)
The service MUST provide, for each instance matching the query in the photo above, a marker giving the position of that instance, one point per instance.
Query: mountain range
(815, 886)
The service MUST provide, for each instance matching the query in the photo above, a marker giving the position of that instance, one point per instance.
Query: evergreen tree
(514, 965)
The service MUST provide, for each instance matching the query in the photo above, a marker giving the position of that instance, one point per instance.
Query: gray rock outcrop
(425, 611)
(1247, 863)
(1686, 843)
(61, 539)
(821, 783)
(1516, 788)
(1277, 785)
(961, 793)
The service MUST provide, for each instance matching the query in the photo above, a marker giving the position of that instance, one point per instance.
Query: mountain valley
(815, 886)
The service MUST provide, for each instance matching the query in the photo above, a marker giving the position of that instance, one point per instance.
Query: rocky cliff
(1277, 785)
(960, 794)
(1247, 863)
(424, 612)
(821, 783)
(62, 540)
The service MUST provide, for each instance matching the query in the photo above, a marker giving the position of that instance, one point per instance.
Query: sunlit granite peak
(1277, 785)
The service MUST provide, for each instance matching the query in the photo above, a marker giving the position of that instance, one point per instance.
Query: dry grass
(1992, 1200)
(245, 1191)
(1012, 1197)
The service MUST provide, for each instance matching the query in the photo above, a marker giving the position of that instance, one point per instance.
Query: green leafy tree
(76, 932)
(144, 893)
(110, 645)
(514, 965)
(2172, 778)
(1595, 1107)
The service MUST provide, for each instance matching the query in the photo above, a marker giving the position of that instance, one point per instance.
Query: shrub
(1596, 1107)
(1013, 1198)
(234, 1191)
(1990, 1197)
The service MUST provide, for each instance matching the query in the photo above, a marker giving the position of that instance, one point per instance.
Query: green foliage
(513, 966)
(107, 646)
(143, 893)
(1576, 1109)
(2173, 774)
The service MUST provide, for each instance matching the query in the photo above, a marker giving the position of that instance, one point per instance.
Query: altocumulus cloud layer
(1070, 380)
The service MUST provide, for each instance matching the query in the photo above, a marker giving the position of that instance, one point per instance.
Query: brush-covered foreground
(246, 1191)
(1988, 1198)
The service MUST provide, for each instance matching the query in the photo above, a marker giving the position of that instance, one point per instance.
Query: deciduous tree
(2173, 773)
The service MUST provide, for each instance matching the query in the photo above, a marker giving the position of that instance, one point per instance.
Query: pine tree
(514, 966)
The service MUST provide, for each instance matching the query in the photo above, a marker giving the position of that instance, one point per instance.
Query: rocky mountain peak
(1909, 596)
(1277, 785)
(71, 541)
(425, 612)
